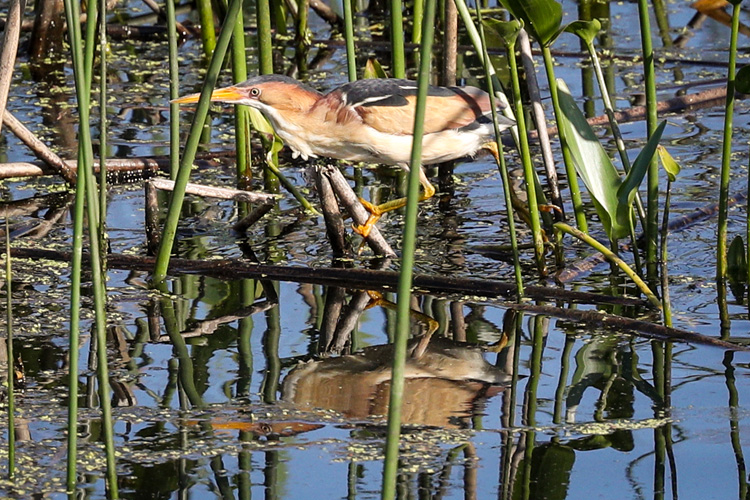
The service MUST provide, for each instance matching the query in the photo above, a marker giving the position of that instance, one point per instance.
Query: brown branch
(9, 49)
(368, 279)
(362, 279)
(358, 213)
(40, 149)
(216, 192)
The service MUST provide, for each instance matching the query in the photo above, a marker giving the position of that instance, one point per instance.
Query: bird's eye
(254, 92)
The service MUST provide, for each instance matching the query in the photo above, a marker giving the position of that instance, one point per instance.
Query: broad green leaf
(628, 188)
(670, 165)
(742, 81)
(592, 163)
(501, 33)
(542, 18)
(585, 30)
(373, 69)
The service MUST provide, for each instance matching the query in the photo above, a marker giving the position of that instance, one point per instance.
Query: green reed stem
(241, 113)
(398, 61)
(289, 186)
(666, 305)
(501, 160)
(208, 30)
(417, 19)
(528, 168)
(75, 314)
(265, 47)
(103, 126)
(351, 56)
(10, 355)
(726, 156)
(191, 146)
(302, 36)
(403, 307)
(174, 92)
(611, 257)
(652, 200)
(89, 46)
(88, 183)
(265, 67)
(575, 190)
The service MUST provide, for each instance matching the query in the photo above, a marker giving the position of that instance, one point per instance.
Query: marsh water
(252, 388)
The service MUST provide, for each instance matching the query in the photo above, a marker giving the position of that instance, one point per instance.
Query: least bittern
(370, 121)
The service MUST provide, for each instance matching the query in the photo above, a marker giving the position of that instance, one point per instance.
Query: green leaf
(501, 33)
(742, 81)
(542, 18)
(592, 163)
(670, 165)
(373, 69)
(585, 30)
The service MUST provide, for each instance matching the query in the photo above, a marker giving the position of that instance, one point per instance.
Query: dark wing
(388, 105)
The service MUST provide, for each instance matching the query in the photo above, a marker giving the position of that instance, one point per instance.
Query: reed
(191, 146)
(398, 60)
(351, 57)
(10, 355)
(403, 307)
(86, 190)
(174, 92)
(726, 156)
(652, 184)
(513, 29)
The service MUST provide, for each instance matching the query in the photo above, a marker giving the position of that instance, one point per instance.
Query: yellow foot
(375, 213)
(550, 208)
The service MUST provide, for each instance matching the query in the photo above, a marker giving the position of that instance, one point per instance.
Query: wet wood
(335, 228)
(48, 31)
(450, 45)
(367, 279)
(152, 225)
(9, 49)
(216, 192)
(38, 147)
(359, 214)
(363, 279)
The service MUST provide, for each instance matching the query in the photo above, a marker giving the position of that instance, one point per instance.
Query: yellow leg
(376, 211)
(431, 325)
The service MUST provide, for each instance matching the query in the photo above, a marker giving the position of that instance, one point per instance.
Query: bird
(371, 121)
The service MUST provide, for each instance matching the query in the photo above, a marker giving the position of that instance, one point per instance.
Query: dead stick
(216, 192)
(38, 147)
(363, 279)
(254, 216)
(9, 49)
(358, 213)
(144, 167)
(332, 216)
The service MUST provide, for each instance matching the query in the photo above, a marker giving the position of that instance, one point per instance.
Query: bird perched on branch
(370, 121)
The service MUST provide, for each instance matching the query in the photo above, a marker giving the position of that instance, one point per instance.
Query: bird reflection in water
(445, 381)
